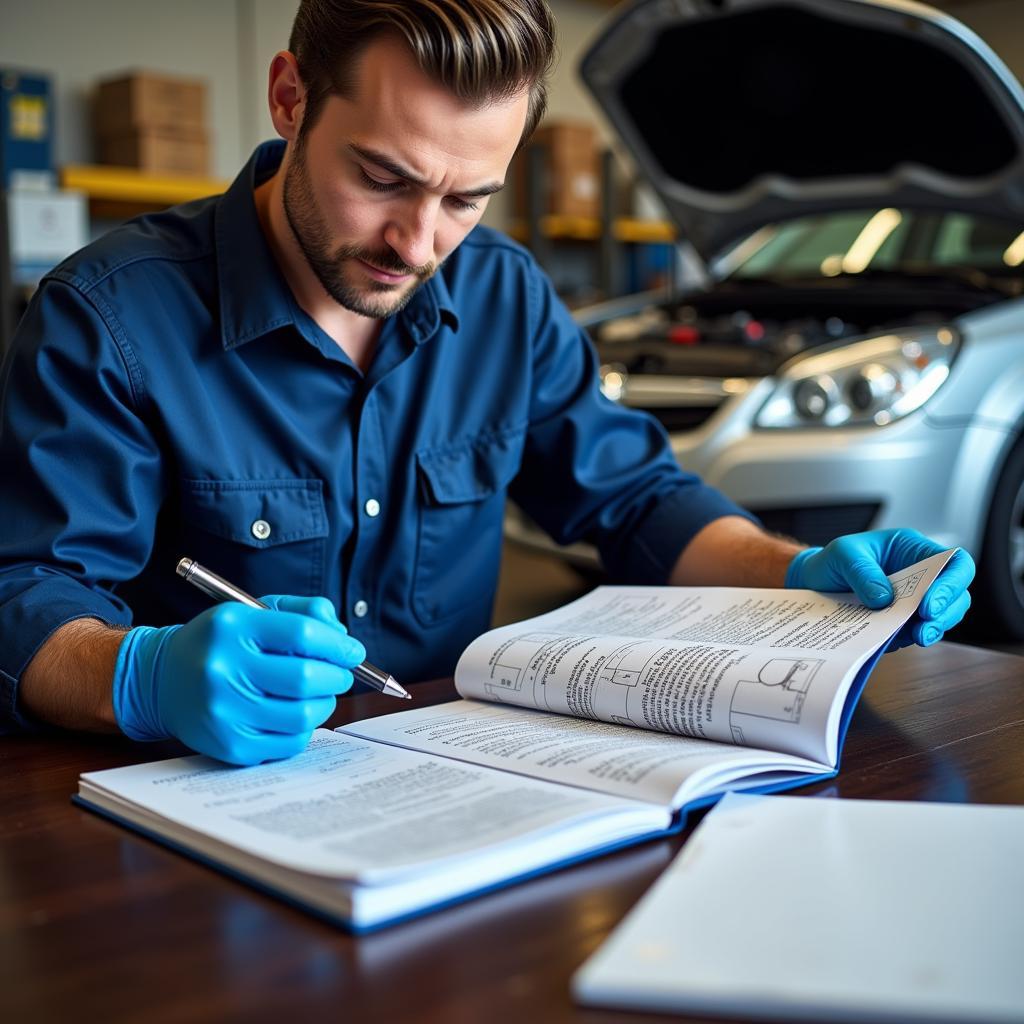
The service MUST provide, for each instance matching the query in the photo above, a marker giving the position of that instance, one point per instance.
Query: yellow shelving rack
(123, 191)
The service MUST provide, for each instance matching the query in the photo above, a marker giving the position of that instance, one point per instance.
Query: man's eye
(379, 186)
(393, 186)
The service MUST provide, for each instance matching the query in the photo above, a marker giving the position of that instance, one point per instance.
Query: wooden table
(97, 924)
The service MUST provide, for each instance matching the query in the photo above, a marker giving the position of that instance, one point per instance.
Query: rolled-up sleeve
(81, 477)
(596, 471)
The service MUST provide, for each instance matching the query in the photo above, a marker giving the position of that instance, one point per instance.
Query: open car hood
(743, 113)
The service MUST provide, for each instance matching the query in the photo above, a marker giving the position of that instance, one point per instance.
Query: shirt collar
(429, 307)
(254, 296)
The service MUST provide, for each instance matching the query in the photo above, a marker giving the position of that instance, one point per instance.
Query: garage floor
(532, 583)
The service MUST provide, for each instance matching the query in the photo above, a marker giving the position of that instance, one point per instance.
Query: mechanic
(322, 385)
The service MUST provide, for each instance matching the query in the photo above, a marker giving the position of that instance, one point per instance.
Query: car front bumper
(816, 484)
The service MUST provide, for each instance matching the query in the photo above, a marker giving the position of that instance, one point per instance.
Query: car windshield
(878, 243)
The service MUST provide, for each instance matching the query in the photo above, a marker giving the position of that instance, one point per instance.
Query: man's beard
(372, 298)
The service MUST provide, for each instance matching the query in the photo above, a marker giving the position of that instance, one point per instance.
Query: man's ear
(286, 95)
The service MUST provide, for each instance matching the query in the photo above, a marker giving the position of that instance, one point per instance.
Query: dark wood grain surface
(97, 924)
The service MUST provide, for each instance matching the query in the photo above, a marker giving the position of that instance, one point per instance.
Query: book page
(757, 667)
(643, 765)
(365, 812)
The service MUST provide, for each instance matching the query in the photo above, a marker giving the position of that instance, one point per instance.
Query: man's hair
(481, 50)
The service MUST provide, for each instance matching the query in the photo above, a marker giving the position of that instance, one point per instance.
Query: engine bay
(749, 329)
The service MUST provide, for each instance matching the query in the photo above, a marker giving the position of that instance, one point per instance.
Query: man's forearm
(733, 552)
(69, 680)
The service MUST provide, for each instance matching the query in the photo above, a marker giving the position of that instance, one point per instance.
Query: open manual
(579, 731)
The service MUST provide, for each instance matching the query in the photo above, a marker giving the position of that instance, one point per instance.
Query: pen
(219, 589)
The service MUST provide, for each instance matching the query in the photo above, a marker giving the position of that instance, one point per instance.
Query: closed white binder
(803, 907)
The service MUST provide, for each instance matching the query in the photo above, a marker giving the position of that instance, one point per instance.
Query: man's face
(388, 182)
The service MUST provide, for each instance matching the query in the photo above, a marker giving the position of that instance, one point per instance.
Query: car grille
(818, 524)
(678, 403)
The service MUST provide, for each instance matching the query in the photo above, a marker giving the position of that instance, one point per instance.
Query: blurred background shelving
(121, 192)
(589, 229)
(604, 252)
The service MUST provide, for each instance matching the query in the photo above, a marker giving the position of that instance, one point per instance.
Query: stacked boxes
(572, 172)
(153, 122)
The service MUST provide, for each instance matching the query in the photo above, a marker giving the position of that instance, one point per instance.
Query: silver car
(851, 173)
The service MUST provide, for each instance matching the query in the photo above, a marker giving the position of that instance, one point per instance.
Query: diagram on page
(778, 693)
(623, 671)
(519, 674)
(548, 670)
(906, 586)
(509, 670)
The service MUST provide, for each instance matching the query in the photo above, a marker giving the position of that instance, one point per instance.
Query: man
(325, 382)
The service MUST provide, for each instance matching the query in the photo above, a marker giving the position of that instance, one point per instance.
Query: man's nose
(411, 233)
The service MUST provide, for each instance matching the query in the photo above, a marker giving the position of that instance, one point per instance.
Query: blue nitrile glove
(241, 684)
(860, 562)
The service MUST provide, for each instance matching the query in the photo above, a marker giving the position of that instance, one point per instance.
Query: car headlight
(866, 383)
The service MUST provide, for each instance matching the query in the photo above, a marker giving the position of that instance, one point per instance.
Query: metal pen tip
(395, 689)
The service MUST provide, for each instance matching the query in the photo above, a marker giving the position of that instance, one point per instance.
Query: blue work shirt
(165, 396)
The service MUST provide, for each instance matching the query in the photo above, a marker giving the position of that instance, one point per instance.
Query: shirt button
(360, 608)
(260, 529)
(372, 507)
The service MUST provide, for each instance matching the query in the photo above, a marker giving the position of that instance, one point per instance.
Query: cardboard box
(158, 152)
(146, 100)
(572, 170)
(26, 130)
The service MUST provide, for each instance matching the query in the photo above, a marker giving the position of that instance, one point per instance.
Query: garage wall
(230, 43)
(1000, 23)
(81, 41)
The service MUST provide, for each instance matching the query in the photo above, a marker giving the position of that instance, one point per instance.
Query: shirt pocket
(461, 509)
(266, 536)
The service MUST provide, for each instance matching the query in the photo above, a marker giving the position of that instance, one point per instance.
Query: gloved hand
(241, 684)
(860, 562)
